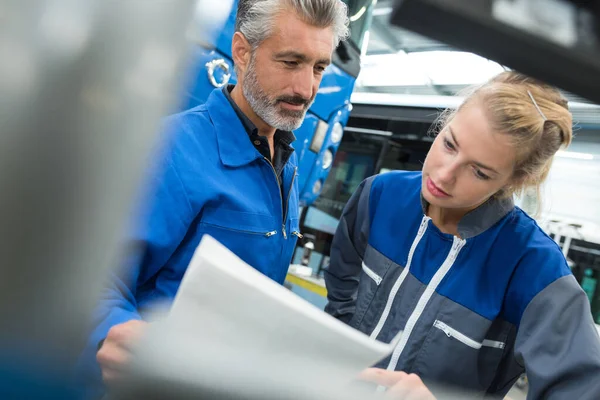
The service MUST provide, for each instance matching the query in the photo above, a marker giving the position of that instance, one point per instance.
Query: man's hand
(115, 352)
(401, 386)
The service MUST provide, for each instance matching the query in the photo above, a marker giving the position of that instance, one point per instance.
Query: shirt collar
(248, 125)
(285, 137)
(481, 218)
(235, 148)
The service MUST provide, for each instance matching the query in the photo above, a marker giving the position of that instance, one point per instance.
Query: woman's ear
(241, 52)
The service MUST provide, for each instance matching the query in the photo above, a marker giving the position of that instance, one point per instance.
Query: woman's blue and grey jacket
(474, 311)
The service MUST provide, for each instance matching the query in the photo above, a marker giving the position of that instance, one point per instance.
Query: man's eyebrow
(291, 54)
(299, 56)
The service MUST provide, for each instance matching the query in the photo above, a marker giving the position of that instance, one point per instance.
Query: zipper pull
(441, 326)
(423, 225)
(272, 233)
(283, 230)
(446, 331)
(455, 248)
(298, 234)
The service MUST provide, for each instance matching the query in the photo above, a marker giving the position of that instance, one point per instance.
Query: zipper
(457, 245)
(453, 333)
(297, 234)
(283, 208)
(287, 202)
(266, 234)
(371, 274)
(396, 287)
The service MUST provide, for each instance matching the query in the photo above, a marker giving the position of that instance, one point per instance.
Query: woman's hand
(401, 386)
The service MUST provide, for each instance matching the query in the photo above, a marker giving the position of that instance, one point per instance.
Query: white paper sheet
(234, 332)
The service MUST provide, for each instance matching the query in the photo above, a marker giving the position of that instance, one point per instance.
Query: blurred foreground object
(557, 41)
(83, 85)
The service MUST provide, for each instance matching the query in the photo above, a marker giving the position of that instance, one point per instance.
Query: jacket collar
(482, 218)
(235, 148)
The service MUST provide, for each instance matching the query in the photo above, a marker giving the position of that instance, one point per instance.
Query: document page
(232, 330)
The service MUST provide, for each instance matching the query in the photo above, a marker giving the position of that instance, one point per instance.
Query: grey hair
(255, 18)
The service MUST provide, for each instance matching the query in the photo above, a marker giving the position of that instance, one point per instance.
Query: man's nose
(304, 82)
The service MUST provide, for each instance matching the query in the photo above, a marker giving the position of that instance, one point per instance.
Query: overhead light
(574, 155)
(382, 11)
(359, 14)
(368, 131)
(365, 44)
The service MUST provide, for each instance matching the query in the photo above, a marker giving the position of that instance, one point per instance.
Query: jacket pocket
(449, 356)
(255, 231)
(371, 274)
(371, 278)
(240, 221)
(255, 238)
(453, 333)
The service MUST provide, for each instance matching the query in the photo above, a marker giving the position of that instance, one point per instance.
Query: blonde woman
(480, 293)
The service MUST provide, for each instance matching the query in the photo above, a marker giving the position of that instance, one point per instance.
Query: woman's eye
(449, 144)
(480, 175)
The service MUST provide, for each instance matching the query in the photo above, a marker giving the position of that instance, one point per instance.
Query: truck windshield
(359, 12)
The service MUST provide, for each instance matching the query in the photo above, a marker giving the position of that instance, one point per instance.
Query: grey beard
(265, 108)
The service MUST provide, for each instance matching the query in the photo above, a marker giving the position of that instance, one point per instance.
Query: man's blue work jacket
(210, 179)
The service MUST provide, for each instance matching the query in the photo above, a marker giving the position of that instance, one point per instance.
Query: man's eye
(291, 63)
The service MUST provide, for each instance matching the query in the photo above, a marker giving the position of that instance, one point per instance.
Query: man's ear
(240, 51)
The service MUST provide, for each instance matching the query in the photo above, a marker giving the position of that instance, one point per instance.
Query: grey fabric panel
(482, 218)
(404, 303)
(558, 344)
(368, 288)
(430, 353)
(447, 360)
(509, 369)
(347, 252)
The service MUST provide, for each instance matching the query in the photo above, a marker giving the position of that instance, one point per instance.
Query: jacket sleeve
(347, 252)
(558, 344)
(161, 220)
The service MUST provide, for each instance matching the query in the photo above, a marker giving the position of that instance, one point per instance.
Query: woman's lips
(435, 190)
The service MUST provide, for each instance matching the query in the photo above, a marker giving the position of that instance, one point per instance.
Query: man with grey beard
(227, 170)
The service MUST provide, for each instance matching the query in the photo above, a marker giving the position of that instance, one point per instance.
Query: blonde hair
(533, 114)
